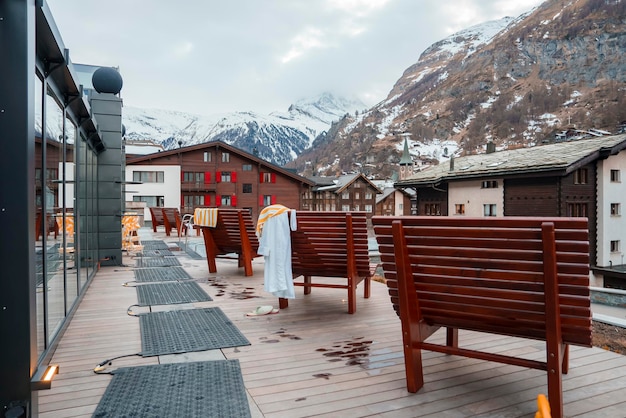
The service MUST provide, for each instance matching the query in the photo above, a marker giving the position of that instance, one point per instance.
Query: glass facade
(65, 211)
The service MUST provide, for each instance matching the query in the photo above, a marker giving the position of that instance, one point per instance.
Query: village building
(212, 174)
(576, 178)
(350, 192)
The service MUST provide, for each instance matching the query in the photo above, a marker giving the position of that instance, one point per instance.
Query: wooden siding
(572, 193)
(531, 197)
(428, 196)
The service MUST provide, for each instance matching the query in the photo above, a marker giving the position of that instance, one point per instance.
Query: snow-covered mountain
(278, 137)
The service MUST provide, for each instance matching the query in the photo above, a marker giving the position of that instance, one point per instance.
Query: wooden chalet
(352, 192)
(215, 174)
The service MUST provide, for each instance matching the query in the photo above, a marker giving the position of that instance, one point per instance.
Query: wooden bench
(172, 220)
(524, 277)
(156, 216)
(234, 232)
(331, 244)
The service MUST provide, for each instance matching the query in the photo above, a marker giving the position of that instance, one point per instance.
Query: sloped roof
(339, 183)
(219, 144)
(554, 159)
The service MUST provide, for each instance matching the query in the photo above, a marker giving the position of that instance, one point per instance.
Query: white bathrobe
(275, 246)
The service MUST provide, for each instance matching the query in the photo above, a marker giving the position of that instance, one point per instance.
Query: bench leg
(368, 287)
(351, 296)
(307, 289)
(452, 337)
(209, 245)
(283, 303)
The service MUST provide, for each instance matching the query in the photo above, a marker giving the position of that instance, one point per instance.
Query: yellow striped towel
(205, 217)
(267, 213)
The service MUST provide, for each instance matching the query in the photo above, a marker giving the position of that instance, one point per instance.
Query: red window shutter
(182, 201)
(273, 177)
(207, 200)
(233, 200)
(273, 199)
(207, 177)
(218, 176)
(182, 176)
(218, 200)
(261, 200)
(260, 177)
(233, 177)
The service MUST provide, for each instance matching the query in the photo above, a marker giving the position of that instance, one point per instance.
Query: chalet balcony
(199, 187)
(314, 359)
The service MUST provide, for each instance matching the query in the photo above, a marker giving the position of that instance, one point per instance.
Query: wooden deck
(314, 359)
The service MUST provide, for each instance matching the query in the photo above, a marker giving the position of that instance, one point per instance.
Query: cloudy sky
(210, 56)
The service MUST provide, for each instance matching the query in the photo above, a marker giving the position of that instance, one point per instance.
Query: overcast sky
(210, 56)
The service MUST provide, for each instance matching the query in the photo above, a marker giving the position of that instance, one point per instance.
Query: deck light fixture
(42, 379)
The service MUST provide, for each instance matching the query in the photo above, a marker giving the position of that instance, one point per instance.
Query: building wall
(473, 195)
(611, 227)
(211, 175)
(169, 189)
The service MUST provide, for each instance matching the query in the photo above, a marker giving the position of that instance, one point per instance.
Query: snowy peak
(468, 40)
(326, 108)
(278, 137)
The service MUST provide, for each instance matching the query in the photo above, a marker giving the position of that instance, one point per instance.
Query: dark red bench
(172, 220)
(524, 277)
(234, 232)
(331, 244)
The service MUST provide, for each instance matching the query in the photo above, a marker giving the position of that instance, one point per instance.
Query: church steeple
(406, 162)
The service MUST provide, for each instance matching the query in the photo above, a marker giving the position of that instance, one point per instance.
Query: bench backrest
(156, 215)
(323, 241)
(487, 274)
(226, 234)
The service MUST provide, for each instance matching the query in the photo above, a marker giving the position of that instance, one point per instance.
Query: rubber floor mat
(160, 274)
(196, 389)
(186, 330)
(167, 293)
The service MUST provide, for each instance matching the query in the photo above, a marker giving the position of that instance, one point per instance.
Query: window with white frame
(225, 157)
(615, 209)
(368, 195)
(225, 176)
(489, 184)
(225, 200)
(345, 195)
(489, 209)
(368, 208)
(149, 176)
(345, 208)
(207, 156)
(615, 176)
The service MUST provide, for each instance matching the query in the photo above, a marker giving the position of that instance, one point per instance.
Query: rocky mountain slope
(278, 137)
(515, 82)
